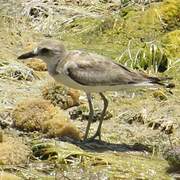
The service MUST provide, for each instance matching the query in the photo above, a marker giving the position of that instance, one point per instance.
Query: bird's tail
(162, 81)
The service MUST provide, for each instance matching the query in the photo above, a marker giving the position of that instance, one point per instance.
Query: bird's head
(49, 51)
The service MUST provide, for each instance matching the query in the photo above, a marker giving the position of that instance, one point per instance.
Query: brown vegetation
(13, 151)
(41, 115)
(36, 64)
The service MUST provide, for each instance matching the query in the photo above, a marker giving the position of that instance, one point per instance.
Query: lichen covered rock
(61, 96)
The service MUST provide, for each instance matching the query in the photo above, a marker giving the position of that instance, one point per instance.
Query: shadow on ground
(96, 146)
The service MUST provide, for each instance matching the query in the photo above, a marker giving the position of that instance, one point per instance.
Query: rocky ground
(42, 123)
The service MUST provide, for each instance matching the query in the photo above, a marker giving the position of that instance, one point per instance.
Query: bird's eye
(44, 50)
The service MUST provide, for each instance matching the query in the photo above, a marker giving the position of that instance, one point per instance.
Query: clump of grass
(41, 115)
(150, 57)
(36, 65)
(17, 71)
(13, 151)
(61, 96)
(65, 153)
(8, 176)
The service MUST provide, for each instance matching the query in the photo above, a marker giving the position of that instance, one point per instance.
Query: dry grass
(8, 176)
(13, 151)
(36, 65)
(17, 71)
(61, 96)
(41, 115)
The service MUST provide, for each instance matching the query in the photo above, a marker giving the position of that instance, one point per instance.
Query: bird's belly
(63, 79)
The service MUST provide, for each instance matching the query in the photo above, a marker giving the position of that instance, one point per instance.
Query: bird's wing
(94, 70)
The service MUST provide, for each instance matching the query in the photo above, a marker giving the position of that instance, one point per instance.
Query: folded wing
(95, 70)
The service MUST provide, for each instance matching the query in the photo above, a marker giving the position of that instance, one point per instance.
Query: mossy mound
(8, 176)
(61, 96)
(41, 115)
(13, 151)
(169, 13)
(171, 42)
(37, 65)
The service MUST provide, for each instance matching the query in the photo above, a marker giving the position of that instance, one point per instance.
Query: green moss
(169, 12)
(171, 42)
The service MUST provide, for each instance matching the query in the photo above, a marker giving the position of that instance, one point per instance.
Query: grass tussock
(8, 176)
(13, 151)
(65, 153)
(36, 65)
(41, 115)
(61, 96)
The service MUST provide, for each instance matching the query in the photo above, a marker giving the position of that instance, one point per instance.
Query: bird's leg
(91, 113)
(98, 132)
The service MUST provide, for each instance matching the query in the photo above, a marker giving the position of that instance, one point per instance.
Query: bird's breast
(66, 80)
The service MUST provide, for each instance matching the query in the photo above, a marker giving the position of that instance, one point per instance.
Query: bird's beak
(27, 55)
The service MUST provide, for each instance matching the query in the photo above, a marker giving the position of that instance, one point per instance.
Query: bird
(91, 73)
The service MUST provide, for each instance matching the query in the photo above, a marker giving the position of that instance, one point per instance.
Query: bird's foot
(93, 138)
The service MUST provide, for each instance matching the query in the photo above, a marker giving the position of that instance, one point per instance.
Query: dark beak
(27, 55)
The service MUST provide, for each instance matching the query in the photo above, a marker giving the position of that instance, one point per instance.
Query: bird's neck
(54, 63)
(52, 69)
